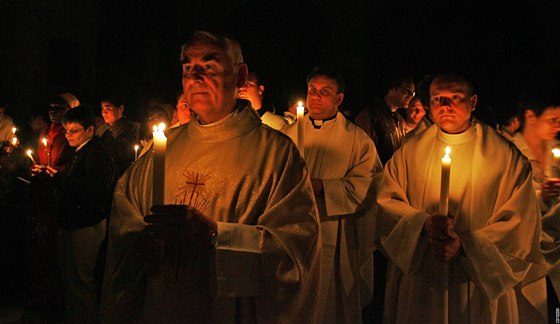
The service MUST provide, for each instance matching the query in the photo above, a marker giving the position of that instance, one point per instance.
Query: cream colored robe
(252, 181)
(531, 293)
(550, 244)
(497, 218)
(345, 159)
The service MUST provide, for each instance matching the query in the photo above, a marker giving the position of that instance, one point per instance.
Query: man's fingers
(168, 209)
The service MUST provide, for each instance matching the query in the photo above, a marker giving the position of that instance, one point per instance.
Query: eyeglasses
(409, 92)
(73, 131)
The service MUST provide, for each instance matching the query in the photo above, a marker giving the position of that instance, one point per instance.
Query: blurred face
(210, 81)
(110, 112)
(547, 125)
(402, 94)
(183, 111)
(415, 111)
(322, 97)
(76, 134)
(253, 92)
(451, 105)
(56, 112)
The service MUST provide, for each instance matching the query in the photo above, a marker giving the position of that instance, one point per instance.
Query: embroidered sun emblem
(192, 191)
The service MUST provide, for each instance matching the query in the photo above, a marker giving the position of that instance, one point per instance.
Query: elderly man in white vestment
(343, 164)
(235, 242)
(460, 267)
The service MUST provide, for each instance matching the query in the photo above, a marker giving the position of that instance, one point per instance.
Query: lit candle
(300, 112)
(14, 130)
(14, 141)
(160, 145)
(45, 143)
(30, 154)
(444, 194)
(136, 147)
(554, 165)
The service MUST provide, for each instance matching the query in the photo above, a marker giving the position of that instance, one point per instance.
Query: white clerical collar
(82, 145)
(457, 139)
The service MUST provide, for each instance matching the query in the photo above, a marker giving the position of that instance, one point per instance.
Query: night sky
(502, 48)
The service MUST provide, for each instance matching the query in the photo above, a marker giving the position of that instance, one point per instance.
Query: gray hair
(230, 46)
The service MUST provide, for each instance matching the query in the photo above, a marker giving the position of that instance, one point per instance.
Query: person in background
(84, 192)
(381, 121)
(344, 167)
(539, 115)
(122, 135)
(253, 91)
(6, 124)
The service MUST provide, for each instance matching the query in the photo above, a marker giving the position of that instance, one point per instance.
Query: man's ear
(474, 100)
(529, 115)
(242, 72)
(339, 98)
(261, 90)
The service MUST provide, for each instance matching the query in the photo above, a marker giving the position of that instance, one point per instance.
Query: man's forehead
(451, 86)
(322, 80)
(203, 49)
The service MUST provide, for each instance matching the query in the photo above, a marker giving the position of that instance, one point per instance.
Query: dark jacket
(120, 140)
(85, 187)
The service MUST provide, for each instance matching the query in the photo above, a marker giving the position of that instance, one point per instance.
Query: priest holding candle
(460, 263)
(235, 236)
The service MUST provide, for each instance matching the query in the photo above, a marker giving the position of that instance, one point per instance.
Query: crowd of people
(265, 217)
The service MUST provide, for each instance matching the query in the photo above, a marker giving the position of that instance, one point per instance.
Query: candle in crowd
(30, 155)
(136, 147)
(553, 167)
(444, 194)
(158, 164)
(300, 112)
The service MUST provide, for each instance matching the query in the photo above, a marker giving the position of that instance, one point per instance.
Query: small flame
(136, 147)
(44, 140)
(300, 103)
(448, 151)
(14, 130)
(161, 127)
(556, 152)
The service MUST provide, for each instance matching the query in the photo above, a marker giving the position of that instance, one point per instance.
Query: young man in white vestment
(459, 266)
(343, 164)
(233, 242)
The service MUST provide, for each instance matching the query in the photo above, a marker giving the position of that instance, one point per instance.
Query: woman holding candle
(540, 123)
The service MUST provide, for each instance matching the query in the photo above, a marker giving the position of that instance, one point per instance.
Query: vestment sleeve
(345, 195)
(499, 254)
(550, 244)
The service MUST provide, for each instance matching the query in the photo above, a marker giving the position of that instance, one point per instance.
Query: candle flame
(29, 152)
(447, 151)
(14, 141)
(136, 147)
(161, 127)
(556, 152)
(14, 130)
(44, 140)
(300, 103)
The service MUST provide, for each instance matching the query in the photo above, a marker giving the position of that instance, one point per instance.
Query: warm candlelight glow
(30, 155)
(45, 142)
(14, 130)
(300, 112)
(160, 146)
(444, 193)
(14, 141)
(553, 167)
(136, 147)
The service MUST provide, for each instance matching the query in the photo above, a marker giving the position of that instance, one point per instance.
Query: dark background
(93, 47)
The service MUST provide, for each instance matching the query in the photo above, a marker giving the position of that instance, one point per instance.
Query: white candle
(136, 147)
(300, 112)
(160, 145)
(30, 154)
(444, 194)
(553, 165)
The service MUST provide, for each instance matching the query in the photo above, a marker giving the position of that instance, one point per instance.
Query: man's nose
(444, 101)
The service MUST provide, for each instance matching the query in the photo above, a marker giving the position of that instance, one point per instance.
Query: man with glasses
(381, 121)
(84, 192)
(458, 263)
